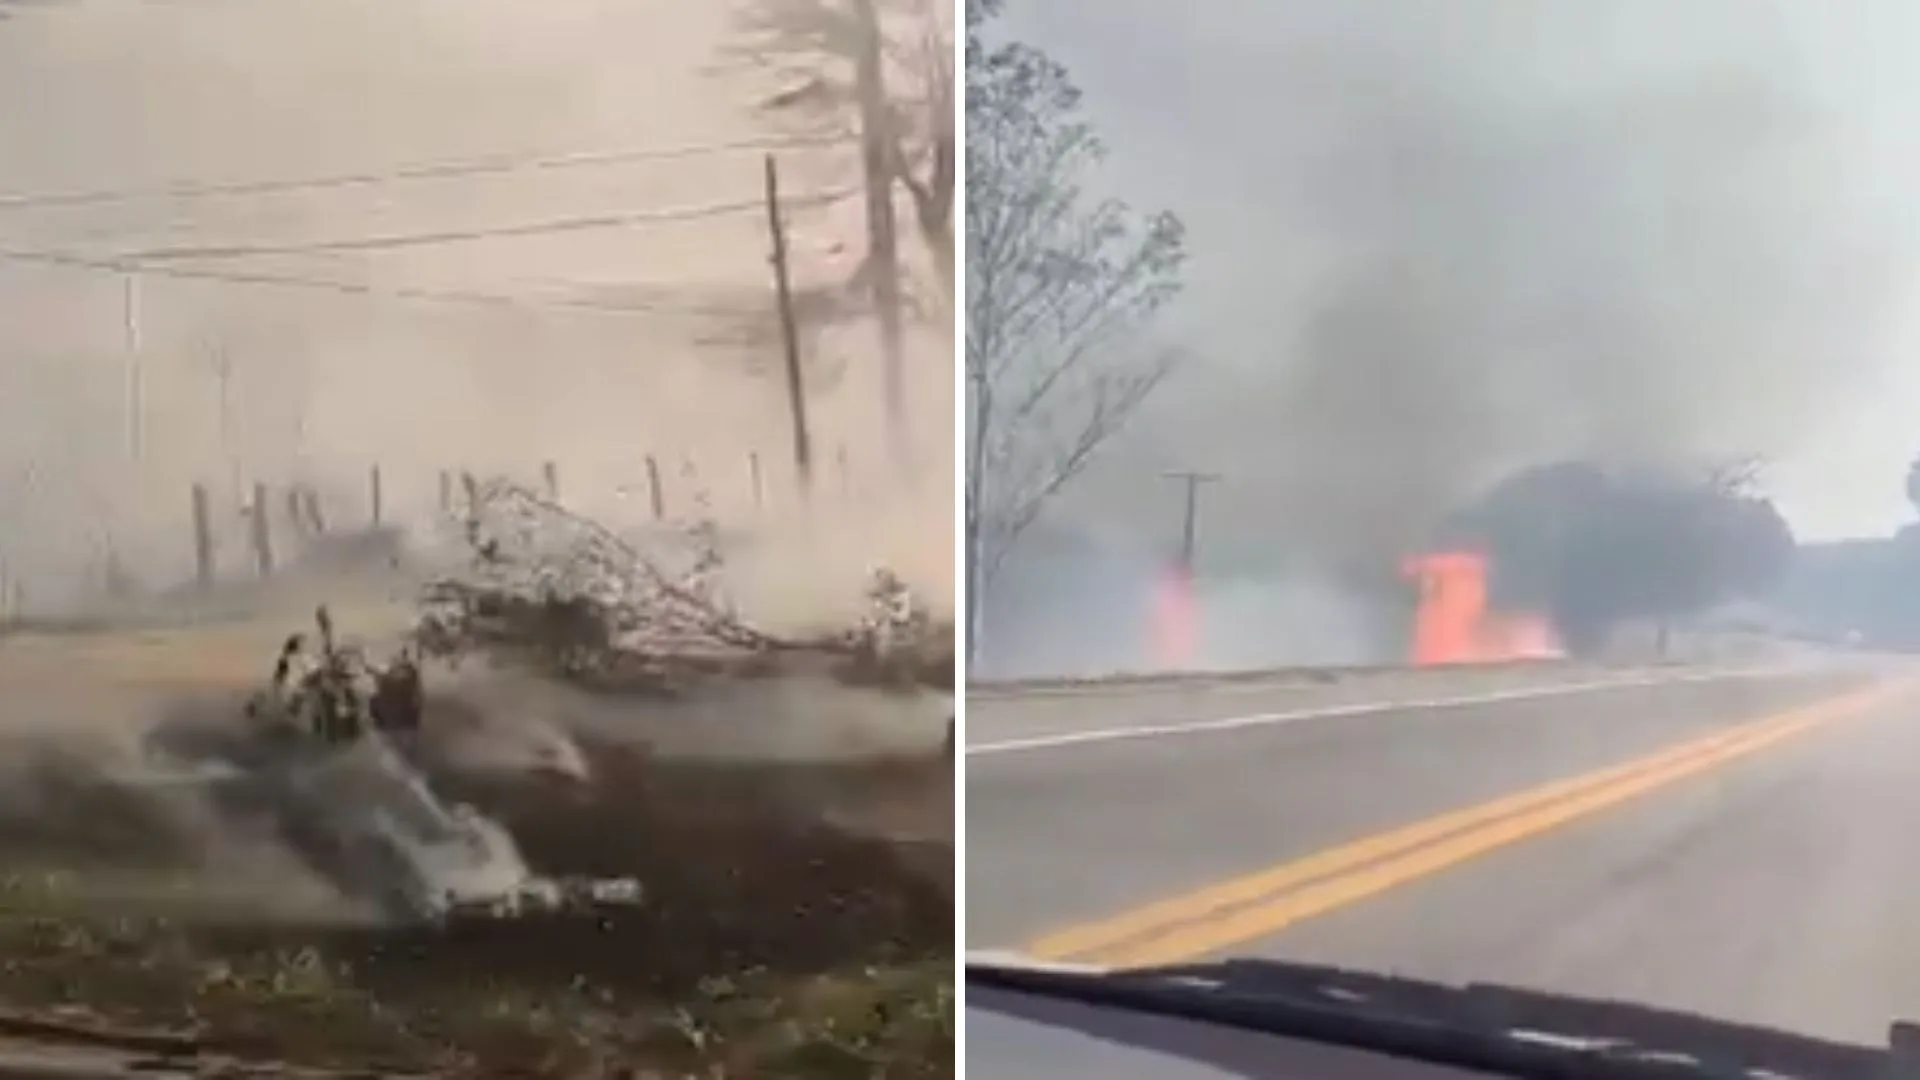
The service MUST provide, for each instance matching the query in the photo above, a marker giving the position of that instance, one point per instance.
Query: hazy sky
(1431, 245)
(119, 94)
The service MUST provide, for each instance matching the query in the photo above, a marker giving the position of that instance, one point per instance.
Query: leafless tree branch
(1060, 291)
(813, 46)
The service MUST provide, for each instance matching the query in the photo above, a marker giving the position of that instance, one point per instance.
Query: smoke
(320, 386)
(1641, 281)
(1074, 606)
(1434, 248)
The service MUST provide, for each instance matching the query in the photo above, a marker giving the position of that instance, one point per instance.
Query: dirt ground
(797, 916)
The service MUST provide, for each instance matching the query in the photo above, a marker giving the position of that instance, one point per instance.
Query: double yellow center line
(1260, 904)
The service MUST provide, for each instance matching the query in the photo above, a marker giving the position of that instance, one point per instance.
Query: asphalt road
(1746, 847)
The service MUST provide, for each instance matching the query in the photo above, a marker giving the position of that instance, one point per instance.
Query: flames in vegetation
(1453, 624)
(1552, 559)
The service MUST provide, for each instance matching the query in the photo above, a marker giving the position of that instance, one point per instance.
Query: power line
(435, 170)
(291, 281)
(538, 228)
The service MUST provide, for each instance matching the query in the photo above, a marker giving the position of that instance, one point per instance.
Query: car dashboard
(1018, 1036)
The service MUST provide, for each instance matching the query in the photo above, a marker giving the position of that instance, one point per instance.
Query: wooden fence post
(316, 521)
(202, 538)
(296, 512)
(262, 532)
(653, 488)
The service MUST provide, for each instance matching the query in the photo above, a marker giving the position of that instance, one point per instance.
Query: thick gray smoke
(241, 383)
(1436, 247)
(1658, 275)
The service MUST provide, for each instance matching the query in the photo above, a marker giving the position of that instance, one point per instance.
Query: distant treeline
(1869, 588)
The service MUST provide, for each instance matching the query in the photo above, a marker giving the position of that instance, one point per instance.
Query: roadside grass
(441, 1004)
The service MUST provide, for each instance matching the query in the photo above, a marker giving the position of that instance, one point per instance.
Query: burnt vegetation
(762, 940)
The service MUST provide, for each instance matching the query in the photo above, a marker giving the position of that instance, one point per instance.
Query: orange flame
(1452, 624)
(1175, 619)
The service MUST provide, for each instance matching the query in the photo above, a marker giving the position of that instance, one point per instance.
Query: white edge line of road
(1365, 708)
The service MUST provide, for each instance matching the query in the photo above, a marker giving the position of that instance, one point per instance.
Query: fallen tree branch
(549, 587)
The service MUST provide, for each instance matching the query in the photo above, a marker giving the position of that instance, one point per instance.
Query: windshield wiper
(1490, 1028)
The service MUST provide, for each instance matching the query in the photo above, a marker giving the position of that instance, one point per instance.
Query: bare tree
(844, 59)
(1736, 477)
(816, 46)
(1059, 290)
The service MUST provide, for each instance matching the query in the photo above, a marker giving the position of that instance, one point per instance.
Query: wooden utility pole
(221, 364)
(1189, 520)
(1177, 621)
(883, 233)
(789, 334)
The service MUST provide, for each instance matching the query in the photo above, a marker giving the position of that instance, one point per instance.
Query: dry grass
(158, 986)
